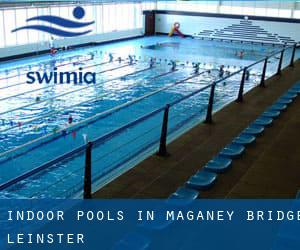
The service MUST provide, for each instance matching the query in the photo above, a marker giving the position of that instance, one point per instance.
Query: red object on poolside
(178, 32)
(175, 29)
(53, 51)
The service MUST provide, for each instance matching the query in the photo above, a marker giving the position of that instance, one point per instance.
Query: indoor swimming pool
(39, 123)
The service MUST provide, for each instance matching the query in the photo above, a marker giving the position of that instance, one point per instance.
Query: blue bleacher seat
(133, 241)
(296, 86)
(254, 130)
(263, 121)
(289, 95)
(244, 139)
(218, 164)
(202, 180)
(232, 151)
(271, 114)
(284, 101)
(294, 91)
(278, 106)
(184, 193)
(205, 178)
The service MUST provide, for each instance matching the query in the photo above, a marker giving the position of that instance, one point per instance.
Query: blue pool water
(34, 132)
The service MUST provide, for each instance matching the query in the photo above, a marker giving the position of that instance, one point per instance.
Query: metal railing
(162, 150)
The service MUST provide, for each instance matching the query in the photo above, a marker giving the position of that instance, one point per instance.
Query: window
(124, 16)
(108, 18)
(43, 36)
(138, 16)
(119, 14)
(9, 25)
(34, 35)
(22, 35)
(99, 19)
(130, 16)
(2, 37)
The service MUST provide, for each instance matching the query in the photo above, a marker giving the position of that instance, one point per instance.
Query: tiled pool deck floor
(269, 169)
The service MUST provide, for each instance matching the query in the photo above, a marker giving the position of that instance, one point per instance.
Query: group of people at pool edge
(132, 59)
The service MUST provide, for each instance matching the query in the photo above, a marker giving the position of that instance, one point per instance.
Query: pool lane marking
(53, 98)
(81, 149)
(52, 85)
(86, 101)
(92, 119)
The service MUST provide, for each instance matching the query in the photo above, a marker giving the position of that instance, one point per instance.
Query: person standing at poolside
(53, 50)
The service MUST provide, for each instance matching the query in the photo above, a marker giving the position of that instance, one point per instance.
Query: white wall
(29, 48)
(278, 8)
(192, 25)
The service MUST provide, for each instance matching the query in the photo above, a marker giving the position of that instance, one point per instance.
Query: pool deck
(269, 169)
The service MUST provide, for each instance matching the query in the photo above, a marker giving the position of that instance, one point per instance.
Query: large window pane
(9, 25)
(34, 35)
(42, 35)
(99, 19)
(22, 35)
(2, 37)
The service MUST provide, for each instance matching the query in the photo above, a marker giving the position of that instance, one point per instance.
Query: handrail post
(241, 90)
(263, 75)
(87, 194)
(293, 55)
(280, 63)
(210, 104)
(164, 133)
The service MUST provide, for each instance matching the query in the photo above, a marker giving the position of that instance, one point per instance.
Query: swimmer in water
(70, 119)
(221, 71)
(197, 67)
(241, 55)
(130, 58)
(173, 63)
(92, 56)
(151, 62)
(53, 50)
(37, 99)
(111, 58)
